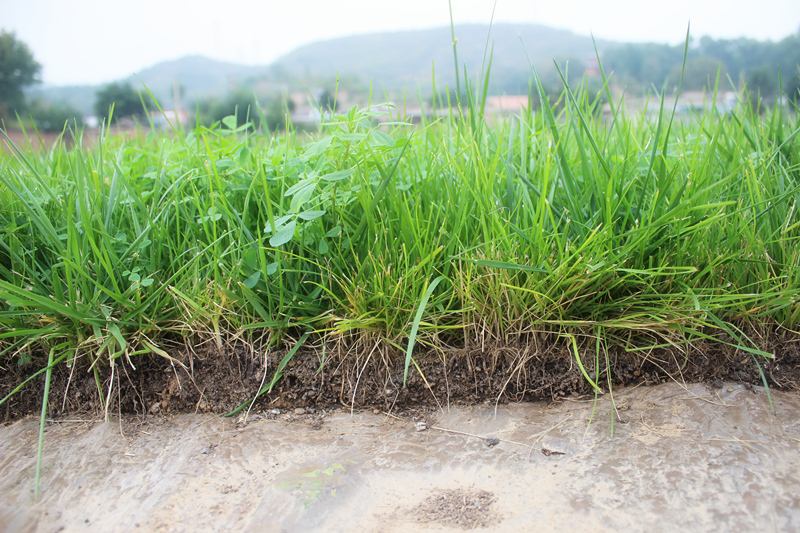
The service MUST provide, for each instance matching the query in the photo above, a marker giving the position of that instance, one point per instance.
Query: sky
(96, 41)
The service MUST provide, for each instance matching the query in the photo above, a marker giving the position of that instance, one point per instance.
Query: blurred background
(287, 64)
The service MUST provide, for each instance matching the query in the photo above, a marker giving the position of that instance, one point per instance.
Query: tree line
(768, 68)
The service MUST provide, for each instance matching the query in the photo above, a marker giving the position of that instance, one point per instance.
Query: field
(565, 250)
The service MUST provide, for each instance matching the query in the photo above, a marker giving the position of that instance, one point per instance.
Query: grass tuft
(570, 219)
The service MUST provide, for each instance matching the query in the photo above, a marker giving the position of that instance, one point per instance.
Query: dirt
(669, 457)
(463, 508)
(211, 378)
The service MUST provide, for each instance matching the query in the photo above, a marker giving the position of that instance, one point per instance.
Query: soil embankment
(207, 379)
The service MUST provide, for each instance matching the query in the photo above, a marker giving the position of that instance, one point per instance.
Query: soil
(207, 378)
(463, 508)
(670, 457)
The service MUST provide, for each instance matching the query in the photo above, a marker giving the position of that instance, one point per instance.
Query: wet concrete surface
(691, 458)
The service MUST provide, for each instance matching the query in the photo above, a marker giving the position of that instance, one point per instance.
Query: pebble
(421, 425)
(274, 411)
(299, 411)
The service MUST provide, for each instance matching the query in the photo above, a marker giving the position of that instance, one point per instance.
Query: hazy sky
(92, 41)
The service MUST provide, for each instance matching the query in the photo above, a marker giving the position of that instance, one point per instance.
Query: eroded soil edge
(214, 379)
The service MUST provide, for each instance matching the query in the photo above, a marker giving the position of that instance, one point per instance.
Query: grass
(595, 229)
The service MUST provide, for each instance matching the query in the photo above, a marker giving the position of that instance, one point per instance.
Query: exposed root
(203, 375)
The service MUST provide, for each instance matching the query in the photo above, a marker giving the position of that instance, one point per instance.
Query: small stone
(492, 441)
(554, 445)
(275, 411)
(420, 425)
(155, 408)
(376, 411)
(548, 452)
(299, 411)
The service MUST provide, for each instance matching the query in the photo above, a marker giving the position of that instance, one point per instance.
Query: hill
(391, 61)
(197, 76)
(405, 58)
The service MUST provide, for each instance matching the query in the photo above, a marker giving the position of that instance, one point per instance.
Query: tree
(277, 112)
(760, 63)
(793, 87)
(18, 69)
(126, 101)
(248, 109)
(700, 73)
(327, 100)
(762, 83)
(52, 117)
(241, 103)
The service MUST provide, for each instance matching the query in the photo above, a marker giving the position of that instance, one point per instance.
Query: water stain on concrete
(668, 457)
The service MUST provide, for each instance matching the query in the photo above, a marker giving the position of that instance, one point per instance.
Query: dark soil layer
(218, 379)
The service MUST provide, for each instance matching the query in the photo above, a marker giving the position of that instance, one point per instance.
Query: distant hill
(198, 77)
(405, 58)
(391, 61)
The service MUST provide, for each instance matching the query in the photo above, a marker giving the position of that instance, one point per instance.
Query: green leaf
(117, 334)
(311, 215)
(412, 337)
(339, 175)
(316, 148)
(489, 263)
(252, 279)
(229, 122)
(576, 353)
(380, 138)
(279, 222)
(283, 235)
(304, 183)
(301, 197)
